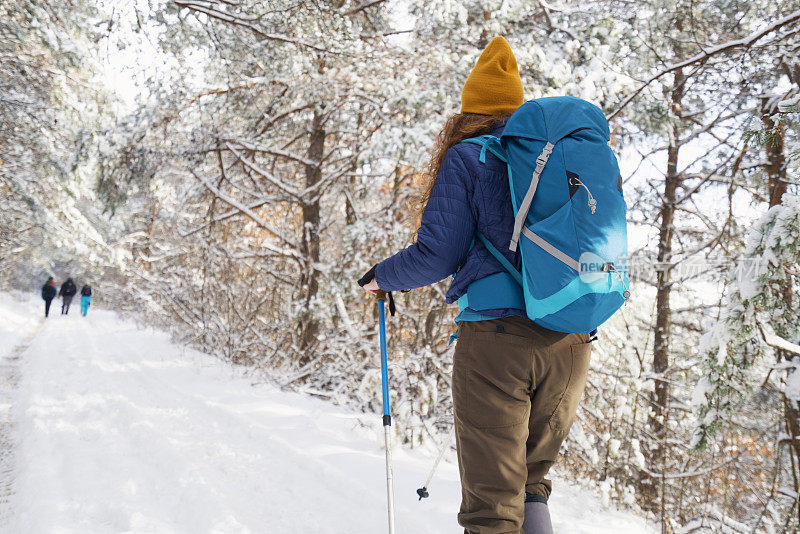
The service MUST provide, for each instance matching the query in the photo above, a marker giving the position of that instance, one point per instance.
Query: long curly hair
(457, 128)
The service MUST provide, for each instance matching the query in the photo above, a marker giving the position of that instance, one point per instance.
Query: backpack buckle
(541, 160)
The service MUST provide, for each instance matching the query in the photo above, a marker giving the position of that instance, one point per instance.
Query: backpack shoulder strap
(490, 143)
(493, 145)
(499, 257)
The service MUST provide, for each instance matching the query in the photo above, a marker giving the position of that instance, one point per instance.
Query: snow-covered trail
(9, 381)
(19, 325)
(115, 429)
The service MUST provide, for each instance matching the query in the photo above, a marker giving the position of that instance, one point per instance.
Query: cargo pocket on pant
(496, 380)
(564, 414)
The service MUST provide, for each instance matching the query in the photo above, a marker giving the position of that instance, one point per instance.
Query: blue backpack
(570, 224)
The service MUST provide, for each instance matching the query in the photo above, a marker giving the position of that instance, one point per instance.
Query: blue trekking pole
(387, 419)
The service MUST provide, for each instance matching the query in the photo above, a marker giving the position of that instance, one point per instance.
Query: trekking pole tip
(422, 492)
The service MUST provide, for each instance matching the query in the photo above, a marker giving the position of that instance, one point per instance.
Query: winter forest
(225, 170)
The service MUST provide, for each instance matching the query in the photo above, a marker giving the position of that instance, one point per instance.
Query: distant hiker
(48, 294)
(516, 384)
(66, 293)
(86, 299)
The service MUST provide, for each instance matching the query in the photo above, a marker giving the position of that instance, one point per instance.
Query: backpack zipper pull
(592, 202)
(611, 268)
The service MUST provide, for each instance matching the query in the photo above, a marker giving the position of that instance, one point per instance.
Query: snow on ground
(21, 316)
(118, 430)
(19, 322)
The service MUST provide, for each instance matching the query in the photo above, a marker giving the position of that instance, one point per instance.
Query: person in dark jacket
(516, 385)
(86, 299)
(66, 293)
(48, 294)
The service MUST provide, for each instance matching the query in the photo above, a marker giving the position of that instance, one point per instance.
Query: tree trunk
(776, 159)
(659, 400)
(309, 325)
(349, 209)
(776, 174)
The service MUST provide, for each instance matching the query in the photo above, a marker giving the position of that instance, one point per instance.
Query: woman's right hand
(372, 287)
(368, 281)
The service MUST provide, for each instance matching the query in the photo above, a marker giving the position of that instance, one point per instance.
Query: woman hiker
(48, 294)
(86, 299)
(516, 385)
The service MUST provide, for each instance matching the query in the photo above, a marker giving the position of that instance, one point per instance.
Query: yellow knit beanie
(494, 86)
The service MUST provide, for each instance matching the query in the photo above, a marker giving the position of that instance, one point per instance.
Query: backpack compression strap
(522, 212)
(550, 249)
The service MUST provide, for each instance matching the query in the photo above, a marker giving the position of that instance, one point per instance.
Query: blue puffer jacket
(468, 196)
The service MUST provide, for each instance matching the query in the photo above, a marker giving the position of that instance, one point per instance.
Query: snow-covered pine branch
(735, 349)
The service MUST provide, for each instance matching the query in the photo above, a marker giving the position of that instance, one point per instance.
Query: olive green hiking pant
(516, 388)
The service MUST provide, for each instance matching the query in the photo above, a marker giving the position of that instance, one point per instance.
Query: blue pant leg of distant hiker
(85, 301)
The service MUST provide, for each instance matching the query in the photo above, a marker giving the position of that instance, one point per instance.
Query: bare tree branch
(362, 6)
(203, 7)
(704, 56)
(253, 216)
